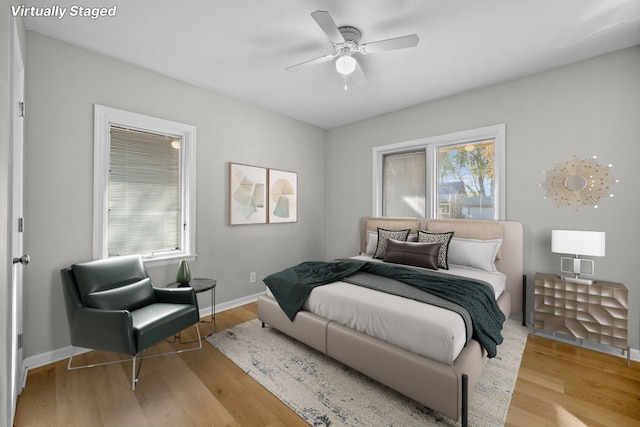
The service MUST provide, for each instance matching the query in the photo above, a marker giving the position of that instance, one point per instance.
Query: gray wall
(62, 84)
(585, 109)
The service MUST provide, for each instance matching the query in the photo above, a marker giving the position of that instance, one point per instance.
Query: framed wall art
(247, 194)
(283, 196)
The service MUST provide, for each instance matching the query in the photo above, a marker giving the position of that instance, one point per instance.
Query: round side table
(199, 285)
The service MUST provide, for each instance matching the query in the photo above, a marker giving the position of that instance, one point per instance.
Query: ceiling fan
(346, 43)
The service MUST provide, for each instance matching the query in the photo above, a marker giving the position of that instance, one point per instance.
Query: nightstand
(203, 285)
(597, 312)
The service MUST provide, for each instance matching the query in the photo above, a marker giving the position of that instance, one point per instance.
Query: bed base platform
(441, 387)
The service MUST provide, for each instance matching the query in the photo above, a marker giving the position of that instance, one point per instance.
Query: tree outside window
(466, 180)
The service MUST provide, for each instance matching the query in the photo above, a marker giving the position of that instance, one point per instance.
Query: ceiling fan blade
(390, 44)
(357, 77)
(326, 22)
(315, 61)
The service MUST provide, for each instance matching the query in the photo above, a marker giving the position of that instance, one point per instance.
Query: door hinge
(21, 109)
(20, 339)
(20, 225)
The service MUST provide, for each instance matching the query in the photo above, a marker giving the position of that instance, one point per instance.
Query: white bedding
(433, 332)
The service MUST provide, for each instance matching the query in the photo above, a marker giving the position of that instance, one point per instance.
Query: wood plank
(558, 385)
(562, 384)
(41, 400)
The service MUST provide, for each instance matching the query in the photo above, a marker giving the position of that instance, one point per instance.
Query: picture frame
(283, 196)
(247, 194)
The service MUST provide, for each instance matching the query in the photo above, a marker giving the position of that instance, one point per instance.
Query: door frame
(16, 374)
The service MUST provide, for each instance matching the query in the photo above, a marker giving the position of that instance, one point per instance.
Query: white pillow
(475, 253)
(372, 243)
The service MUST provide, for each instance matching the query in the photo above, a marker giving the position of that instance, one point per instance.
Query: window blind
(404, 184)
(143, 193)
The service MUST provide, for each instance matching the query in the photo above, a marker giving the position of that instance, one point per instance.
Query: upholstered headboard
(510, 259)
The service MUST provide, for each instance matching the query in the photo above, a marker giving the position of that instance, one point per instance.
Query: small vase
(184, 275)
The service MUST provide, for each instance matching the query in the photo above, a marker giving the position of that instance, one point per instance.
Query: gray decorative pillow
(413, 253)
(443, 239)
(384, 235)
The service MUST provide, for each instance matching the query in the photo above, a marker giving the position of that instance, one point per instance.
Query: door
(17, 225)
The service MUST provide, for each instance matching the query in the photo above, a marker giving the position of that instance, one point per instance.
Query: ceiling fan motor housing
(351, 34)
(350, 45)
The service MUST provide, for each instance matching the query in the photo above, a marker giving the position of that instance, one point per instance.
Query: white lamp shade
(346, 64)
(591, 243)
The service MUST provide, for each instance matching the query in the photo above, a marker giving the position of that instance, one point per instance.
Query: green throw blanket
(292, 286)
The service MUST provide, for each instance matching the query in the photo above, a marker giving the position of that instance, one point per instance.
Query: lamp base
(577, 266)
(577, 280)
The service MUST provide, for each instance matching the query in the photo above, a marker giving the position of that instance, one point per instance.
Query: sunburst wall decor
(578, 182)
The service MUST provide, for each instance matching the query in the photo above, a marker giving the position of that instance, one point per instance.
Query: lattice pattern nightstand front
(597, 312)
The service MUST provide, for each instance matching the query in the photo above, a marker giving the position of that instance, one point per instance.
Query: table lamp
(577, 242)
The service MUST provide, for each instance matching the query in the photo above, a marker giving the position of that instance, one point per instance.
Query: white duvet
(433, 332)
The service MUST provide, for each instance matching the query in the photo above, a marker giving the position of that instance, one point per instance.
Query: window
(459, 175)
(465, 184)
(404, 184)
(144, 186)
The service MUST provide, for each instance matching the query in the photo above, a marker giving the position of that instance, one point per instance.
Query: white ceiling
(240, 48)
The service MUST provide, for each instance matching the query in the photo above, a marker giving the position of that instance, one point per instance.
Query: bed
(442, 380)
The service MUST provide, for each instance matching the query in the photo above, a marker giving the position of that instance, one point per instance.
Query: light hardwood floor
(558, 385)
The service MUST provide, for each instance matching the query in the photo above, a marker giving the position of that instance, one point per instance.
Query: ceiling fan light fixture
(346, 64)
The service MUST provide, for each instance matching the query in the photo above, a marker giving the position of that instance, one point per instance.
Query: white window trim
(104, 118)
(431, 144)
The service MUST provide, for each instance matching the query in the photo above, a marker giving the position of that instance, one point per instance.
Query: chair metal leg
(134, 374)
(177, 338)
(134, 377)
(73, 368)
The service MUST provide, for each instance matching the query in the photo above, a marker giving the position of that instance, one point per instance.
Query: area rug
(327, 393)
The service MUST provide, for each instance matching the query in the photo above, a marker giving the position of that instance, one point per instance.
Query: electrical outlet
(252, 277)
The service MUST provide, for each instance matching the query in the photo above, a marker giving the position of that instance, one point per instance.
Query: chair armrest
(176, 295)
(108, 330)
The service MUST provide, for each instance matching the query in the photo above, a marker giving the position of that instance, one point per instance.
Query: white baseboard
(232, 304)
(59, 354)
